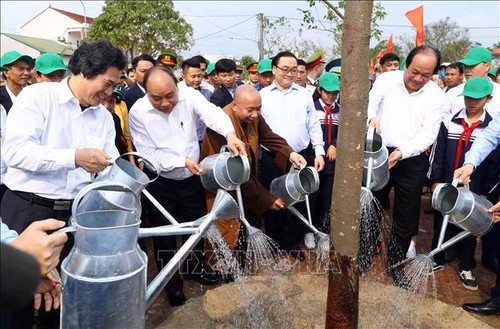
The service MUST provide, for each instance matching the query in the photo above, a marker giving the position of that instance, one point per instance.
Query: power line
(225, 28)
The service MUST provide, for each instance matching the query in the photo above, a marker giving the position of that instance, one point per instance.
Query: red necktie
(329, 119)
(464, 137)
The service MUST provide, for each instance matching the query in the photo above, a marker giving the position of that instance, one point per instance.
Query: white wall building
(58, 25)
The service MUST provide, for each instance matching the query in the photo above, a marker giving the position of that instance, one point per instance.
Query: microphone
(20, 275)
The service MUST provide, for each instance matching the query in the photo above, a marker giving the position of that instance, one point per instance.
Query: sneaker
(437, 267)
(469, 281)
(309, 241)
(412, 251)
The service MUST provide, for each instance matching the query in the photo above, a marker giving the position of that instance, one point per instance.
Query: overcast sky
(230, 27)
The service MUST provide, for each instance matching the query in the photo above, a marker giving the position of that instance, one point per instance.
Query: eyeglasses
(287, 70)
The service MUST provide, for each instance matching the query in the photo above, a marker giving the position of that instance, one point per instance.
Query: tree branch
(332, 7)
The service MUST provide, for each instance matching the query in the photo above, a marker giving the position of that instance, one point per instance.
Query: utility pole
(343, 286)
(260, 18)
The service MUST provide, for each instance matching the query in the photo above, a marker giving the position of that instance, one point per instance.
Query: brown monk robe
(253, 130)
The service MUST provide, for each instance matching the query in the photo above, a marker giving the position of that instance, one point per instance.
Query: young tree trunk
(343, 284)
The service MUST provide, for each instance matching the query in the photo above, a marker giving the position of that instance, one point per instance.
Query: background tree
(142, 26)
(450, 38)
(333, 21)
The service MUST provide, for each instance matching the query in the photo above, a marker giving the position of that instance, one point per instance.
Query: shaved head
(247, 103)
(244, 92)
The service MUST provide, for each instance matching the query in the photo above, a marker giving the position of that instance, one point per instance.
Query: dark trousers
(408, 178)
(281, 226)
(495, 291)
(18, 214)
(321, 202)
(185, 201)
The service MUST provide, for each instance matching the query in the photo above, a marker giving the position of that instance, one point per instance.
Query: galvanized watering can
(294, 186)
(122, 171)
(104, 276)
(224, 171)
(466, 209)
(376, 165)
(462, 208)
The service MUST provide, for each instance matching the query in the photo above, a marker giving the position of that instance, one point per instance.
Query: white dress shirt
(409, 122)
(3, 118)
(171, 138)
(291, 114)
(45, 127)
(457, 102)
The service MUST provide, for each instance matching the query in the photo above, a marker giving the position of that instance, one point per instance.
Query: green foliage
(335, 23)
(247, 60)
(142, 26)
(276, 35)
(450, 38)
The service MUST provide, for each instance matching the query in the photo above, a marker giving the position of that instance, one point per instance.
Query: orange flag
(370, 68)
(379, 55)
(416, 17)
(390, 49)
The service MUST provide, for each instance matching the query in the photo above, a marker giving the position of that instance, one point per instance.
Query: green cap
(12, 56)
(210, 68)
(3, 69)
(477, 55)
(264, 66)
(118, 92)
(48, 63)
(492, 72)
(329, 81)
(477, 88)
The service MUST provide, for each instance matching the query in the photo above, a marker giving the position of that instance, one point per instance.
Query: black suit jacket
(221, 97)
(5, 99)
(132, 95)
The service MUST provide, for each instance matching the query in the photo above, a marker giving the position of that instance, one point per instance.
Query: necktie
(329, 120)
(464, 138)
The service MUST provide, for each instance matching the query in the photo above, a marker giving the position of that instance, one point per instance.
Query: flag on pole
(390, 47)
(371, 69)
(379, 55)
(416, 17)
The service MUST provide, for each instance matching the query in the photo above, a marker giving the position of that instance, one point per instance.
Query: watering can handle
(149, 161)
(106, 186)
(455, 183)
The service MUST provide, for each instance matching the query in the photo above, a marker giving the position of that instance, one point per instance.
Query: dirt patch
(299, 301)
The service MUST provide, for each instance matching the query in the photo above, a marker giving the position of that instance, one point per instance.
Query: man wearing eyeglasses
(19, 72)
(289, 111)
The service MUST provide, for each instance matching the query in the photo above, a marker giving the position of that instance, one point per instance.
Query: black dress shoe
(177, 298)
(486, 308)
(204, 278)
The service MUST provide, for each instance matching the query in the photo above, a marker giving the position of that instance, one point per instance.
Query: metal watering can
(376, 165)
(462, 208)
(294, 186)
(104, 276)
(122, 171)
(224, 171)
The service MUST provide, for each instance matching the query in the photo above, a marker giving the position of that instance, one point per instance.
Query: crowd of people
(62, 125)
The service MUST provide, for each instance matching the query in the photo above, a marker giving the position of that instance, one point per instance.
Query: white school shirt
(409, 122)
(45, 127)
(291, 114)
(171, 138)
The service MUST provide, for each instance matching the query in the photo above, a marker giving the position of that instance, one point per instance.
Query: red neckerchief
(329, 119)
(465, 137)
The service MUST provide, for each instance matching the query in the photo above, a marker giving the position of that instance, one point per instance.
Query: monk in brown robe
(252, 129)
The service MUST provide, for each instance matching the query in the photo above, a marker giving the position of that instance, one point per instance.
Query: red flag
(379, 55)
(416, 17)
(390, 49)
